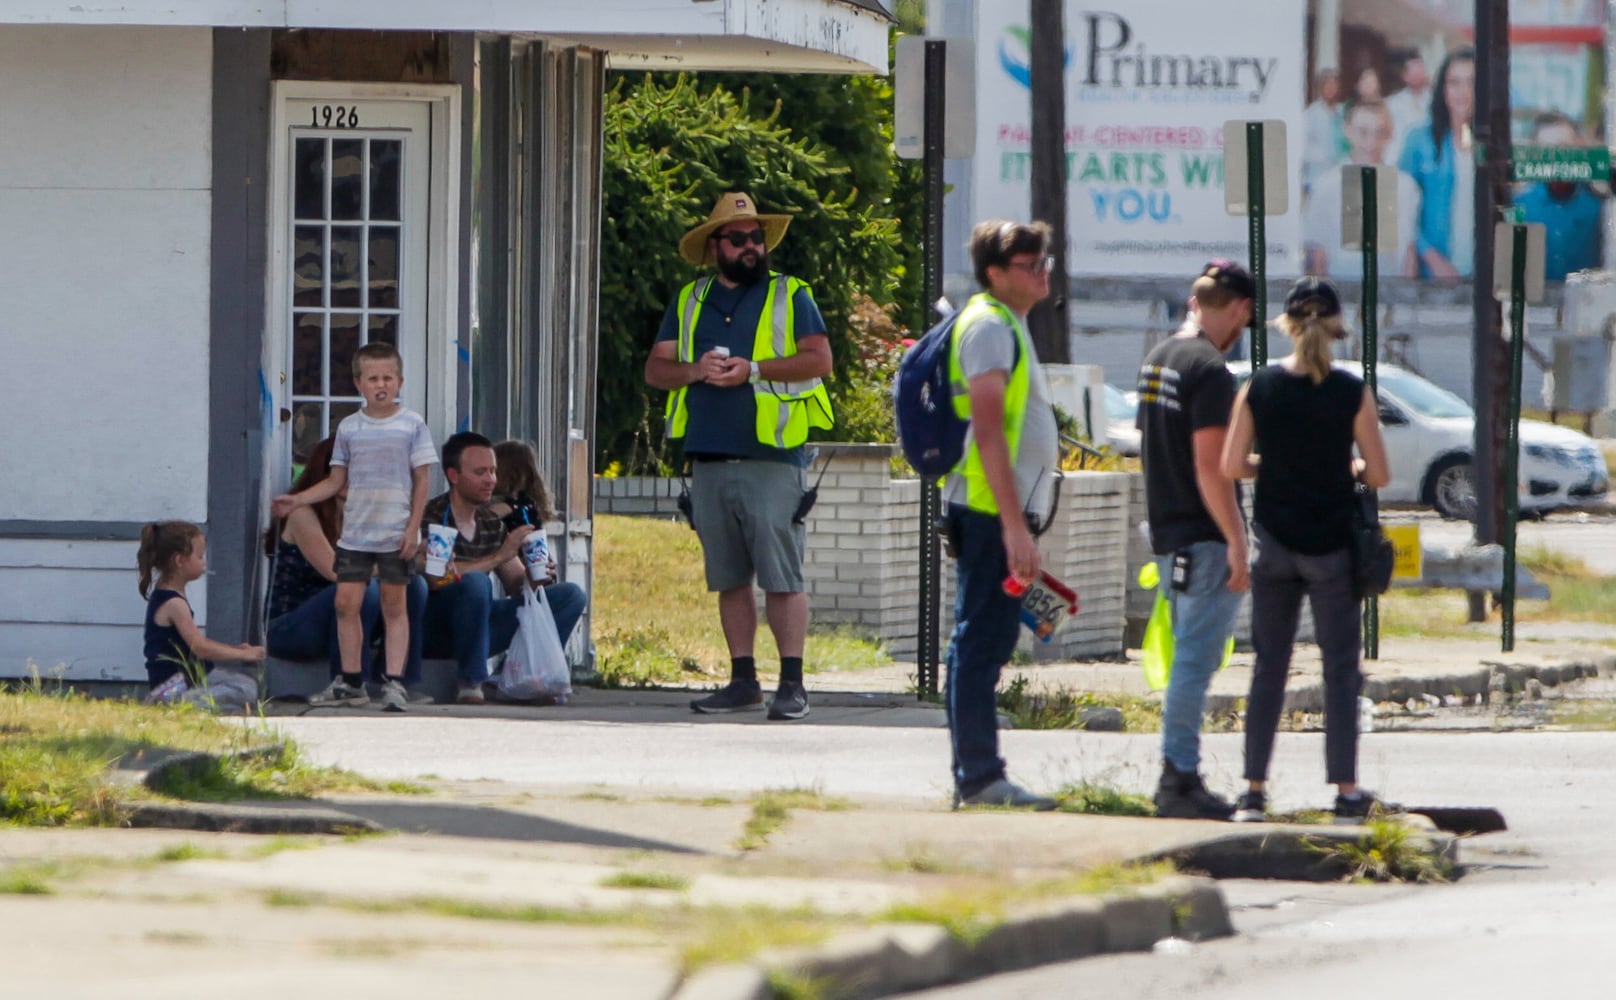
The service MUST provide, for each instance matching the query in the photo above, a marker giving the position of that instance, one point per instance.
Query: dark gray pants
(1279, 578)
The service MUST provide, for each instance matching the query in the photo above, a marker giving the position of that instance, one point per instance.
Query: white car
(1430, 435)
(1120, 409)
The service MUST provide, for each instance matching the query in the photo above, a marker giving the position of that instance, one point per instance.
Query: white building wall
(104, 195)
(104, 286)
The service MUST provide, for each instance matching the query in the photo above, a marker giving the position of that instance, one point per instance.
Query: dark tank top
(165, 647)
(1304, 435)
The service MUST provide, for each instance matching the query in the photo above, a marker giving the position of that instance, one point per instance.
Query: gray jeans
(1279, 579)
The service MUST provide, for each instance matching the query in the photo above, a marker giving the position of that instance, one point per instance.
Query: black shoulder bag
(1372, 553)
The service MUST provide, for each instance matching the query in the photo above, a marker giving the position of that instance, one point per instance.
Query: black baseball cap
(1312, 296)
(1231, 276)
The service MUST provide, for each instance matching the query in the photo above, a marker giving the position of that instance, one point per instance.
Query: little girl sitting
(177, 553)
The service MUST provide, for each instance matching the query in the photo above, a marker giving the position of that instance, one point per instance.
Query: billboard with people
(1148, 87)
(1393, 83)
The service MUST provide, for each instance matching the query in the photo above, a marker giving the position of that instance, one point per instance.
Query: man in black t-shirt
(1196, 528)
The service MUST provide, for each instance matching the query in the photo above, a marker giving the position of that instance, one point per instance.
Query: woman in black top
(1302, 417)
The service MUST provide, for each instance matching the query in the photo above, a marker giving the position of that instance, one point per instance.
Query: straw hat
(732, 206)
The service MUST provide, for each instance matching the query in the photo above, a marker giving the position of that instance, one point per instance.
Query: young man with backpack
(1005, 478)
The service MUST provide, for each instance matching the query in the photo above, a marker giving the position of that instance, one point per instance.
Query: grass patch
(650, 564)
(185, 852)
(771, 810)
(721, 935)
(1576, 594)
(666, 881)
(920, 860)
(1386, 852)
(186, 938)
(1036, 707)
(1103, 800)
(29, 879)
(1584, 716)
(60, 747)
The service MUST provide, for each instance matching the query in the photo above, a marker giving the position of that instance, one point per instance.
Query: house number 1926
(333, 116)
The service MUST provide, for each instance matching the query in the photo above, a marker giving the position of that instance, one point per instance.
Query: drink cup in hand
(536, 555)
(440, 540)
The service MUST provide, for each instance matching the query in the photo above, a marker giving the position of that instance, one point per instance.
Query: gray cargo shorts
(742, 513)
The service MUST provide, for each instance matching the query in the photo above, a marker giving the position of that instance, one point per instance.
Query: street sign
(1532, 265)
(1276, 192)
(1574, 164)
(909, 97)
(1352, 206)
(1408, 561)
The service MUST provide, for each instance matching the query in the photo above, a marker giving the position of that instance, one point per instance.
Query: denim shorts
(357, 567)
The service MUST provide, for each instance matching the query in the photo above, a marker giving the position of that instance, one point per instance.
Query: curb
(150, 768)
(1293, 854)
(888, 959)
(1481, 681)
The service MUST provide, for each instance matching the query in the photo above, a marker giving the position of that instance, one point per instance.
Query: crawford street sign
(1577, 164)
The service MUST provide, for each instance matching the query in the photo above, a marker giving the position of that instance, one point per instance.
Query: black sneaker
(1252, 807)
(1356, 810)
(1181, 795)
(736, 696)
(790, 702)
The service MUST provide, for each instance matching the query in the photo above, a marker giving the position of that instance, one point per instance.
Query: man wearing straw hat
(741, 354)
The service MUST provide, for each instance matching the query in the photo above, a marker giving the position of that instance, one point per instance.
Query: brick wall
(863, 557)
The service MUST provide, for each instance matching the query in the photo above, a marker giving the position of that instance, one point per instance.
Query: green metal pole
(1371, 284)
(1512, 447)
(1255, 212)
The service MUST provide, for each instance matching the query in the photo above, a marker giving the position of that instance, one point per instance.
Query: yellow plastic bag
(1156, 649)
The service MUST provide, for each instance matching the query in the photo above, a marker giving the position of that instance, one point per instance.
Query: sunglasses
(739, 240)
(1043, 266)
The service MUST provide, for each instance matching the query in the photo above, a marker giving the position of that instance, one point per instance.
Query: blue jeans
(309, 631)
(1203, 620)
(465, 622)
(985, 633)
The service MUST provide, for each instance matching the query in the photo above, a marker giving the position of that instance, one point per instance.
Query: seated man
(463, 619)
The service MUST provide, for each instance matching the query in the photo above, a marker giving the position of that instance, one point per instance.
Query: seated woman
(521, 497)
(302, 617)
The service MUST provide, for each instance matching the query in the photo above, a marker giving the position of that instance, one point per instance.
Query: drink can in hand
(536, 555)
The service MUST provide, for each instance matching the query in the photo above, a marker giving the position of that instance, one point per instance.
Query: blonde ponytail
(1315, 337)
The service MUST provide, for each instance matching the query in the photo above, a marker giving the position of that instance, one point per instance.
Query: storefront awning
(829, 36)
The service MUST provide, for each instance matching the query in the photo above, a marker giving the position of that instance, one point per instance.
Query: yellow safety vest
(978, 495)
(785, 410)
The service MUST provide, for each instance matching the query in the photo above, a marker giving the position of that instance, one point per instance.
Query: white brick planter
(863, 559)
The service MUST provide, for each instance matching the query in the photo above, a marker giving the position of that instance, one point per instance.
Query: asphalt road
(1531, 918)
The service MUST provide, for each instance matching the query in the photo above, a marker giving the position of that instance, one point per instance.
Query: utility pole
(1490, 378)
(1049, 322)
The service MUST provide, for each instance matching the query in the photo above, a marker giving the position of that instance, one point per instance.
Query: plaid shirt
(490, 529)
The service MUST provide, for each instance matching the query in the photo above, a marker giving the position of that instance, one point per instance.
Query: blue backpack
(931, 434)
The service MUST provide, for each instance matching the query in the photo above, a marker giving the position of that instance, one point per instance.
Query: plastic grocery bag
(535, 665)
(1156, 648)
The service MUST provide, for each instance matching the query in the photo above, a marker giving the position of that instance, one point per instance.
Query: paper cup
(536, 554)
(440, 539)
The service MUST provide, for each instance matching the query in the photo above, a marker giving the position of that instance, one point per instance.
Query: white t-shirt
(1321, 226)
(380, 456)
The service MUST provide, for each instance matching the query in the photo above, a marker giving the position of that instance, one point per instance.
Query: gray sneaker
(736, 696)
(394, 697)
(338, 694)
(1004, 794)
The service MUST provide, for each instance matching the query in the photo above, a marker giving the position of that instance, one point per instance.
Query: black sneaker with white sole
(790, 702)
(736, 696)
(1251, 807)
(1360, 808)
